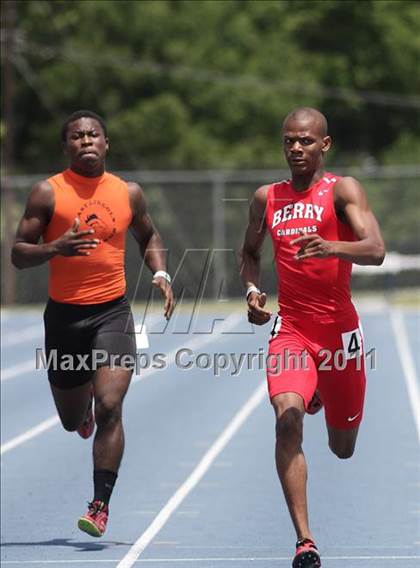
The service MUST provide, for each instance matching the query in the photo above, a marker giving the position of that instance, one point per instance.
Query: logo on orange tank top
(99, 216)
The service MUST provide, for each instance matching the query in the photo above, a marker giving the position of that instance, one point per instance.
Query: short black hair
(81, 114)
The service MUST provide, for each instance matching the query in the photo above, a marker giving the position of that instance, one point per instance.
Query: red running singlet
(318, 288)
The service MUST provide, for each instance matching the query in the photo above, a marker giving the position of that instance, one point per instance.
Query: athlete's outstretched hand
(313, 245)
(166, 291)
(73, 243)
(256, 312)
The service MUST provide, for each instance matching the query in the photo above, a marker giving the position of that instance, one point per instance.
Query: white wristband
(162, 274)
(252, 289)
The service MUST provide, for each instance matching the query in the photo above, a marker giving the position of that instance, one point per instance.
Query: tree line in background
(205, 83)
(197, 84)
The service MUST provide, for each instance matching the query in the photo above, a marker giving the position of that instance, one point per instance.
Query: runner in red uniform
(320, 224)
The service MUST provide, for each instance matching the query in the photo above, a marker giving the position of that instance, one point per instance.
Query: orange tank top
(101, 203)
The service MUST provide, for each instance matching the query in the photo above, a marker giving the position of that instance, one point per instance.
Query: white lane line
(230, 323)
(19, 369)
(407, 363)
(166, 512)
(239, 559)
(29, 434)
(197, 342)
(29, 365)
(15, 337)
(5, 315)
(284, 549)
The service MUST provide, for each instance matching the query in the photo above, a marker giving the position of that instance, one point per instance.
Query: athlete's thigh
(114, 339)
(111, 385)
(71, 404)
(68, 344)
(290, 367)
(341, 376)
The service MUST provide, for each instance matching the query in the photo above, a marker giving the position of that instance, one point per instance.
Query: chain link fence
(202, 217)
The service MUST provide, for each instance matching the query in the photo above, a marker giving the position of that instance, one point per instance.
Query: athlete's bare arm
(352, 207)
(27, 251)
(251, 255)
(150, 243)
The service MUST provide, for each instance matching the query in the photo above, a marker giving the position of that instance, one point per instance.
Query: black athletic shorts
(81, 338)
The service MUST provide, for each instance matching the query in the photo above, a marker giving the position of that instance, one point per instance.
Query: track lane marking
(407, 364)
(230, 323)
(238, 559)
(29, 434)
(18, 369)
(29, 333)
(21, 336)
(193, 479)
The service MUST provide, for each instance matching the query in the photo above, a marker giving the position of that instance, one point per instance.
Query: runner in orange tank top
(103, 205)
(319, 224)
(82, 216)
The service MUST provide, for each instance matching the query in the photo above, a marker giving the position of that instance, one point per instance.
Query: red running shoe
(95, 520)
(307, 555)
(85, 430)
(315, 404)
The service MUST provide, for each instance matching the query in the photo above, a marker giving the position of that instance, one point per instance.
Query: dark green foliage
(193, 84)
(196, 84)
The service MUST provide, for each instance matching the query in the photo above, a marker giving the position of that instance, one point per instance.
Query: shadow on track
(77, 546)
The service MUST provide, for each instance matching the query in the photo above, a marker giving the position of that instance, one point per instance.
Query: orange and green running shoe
(95, 520)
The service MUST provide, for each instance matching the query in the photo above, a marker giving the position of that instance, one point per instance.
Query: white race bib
(276, 327)
(352, 343)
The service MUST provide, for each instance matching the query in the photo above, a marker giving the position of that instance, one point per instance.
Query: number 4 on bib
(352, 344)
(276, 327)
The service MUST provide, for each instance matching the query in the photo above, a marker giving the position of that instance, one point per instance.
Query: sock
(103, 481)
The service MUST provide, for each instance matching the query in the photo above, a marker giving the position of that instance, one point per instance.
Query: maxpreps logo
(98, 216)
(297, 211)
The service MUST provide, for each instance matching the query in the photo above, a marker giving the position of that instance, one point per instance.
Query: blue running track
(197, 487)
